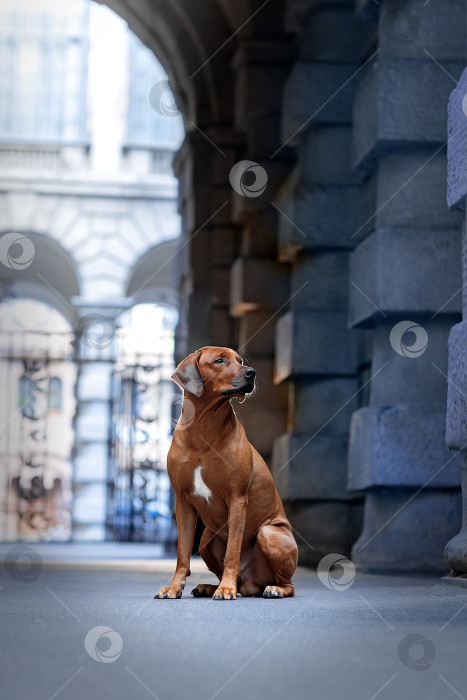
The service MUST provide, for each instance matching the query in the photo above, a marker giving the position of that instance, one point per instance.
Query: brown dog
(217, 474)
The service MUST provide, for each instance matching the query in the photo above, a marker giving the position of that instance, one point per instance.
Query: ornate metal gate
(140, 501)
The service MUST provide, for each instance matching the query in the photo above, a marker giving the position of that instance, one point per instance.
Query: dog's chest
(200, 488)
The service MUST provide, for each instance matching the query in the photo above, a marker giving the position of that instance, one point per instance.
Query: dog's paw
(272, 592)
(203, 590)
(170, 592)
(225, 593)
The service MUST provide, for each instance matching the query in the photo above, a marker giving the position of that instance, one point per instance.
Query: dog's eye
(219, 361)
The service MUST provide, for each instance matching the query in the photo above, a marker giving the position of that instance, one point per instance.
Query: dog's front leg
(186, 523)
(227, 589)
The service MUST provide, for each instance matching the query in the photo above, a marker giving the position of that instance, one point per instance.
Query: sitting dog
(217, 474)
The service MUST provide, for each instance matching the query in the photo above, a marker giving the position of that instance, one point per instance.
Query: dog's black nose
(249, 372)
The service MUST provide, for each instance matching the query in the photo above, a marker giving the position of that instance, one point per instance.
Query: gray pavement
(323, 644)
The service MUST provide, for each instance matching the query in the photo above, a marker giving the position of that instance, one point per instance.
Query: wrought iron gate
(140, 502)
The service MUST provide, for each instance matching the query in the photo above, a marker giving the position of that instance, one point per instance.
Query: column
(405, 281)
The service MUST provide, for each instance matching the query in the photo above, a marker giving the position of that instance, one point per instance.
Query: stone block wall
(406, 268)
(456, 431)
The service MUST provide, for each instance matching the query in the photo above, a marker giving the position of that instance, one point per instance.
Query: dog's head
(215, 371)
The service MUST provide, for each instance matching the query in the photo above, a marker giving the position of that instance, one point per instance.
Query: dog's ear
(188, 376)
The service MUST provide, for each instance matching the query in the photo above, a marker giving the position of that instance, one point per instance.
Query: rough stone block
(223, 245)
(316, 217)
(312, 97)
(415, 29)
(455, 553)
(220, 285)
(331, 34)
(401, 445)
(367, 10)
(222, 327)
(457, 145)
(262, 423)
(324, 156)
(456, 419)
(406, 531)
(321, 280)
(397, 376)
(400, 102)
(411, 192)
(324, 527)
(305, 467)
(257, 284)
(314, 342)
(324, 405)
(256, 334)
(392, 272)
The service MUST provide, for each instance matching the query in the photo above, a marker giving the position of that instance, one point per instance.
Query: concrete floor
(322, 644)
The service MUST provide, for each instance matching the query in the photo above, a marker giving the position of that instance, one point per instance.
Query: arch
(185, 35)
(157, 266)
(48, 274)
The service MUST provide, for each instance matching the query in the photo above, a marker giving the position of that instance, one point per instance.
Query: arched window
(55, 394)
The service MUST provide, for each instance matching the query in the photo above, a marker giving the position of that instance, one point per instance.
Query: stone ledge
(321, 527)
(400, 103)
(324, 405)
(401, 446)
(456, 423)
(314, 343)
(415, 29)
(305, 467)
(457, 145)
(309, 98)
(407, 532)
(314, 217)
(394, 268)
(257, 284)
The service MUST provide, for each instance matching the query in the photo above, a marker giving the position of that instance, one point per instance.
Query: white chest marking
(200, 487)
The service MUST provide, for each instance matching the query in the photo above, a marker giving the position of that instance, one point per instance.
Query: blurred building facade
(317, 239)
(331, 258)
(88, 205)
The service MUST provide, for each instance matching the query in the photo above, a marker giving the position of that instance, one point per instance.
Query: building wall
(343, 107)
(93, 193)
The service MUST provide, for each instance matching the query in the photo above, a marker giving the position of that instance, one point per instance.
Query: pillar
(404, 285)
